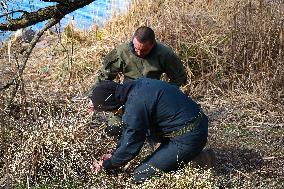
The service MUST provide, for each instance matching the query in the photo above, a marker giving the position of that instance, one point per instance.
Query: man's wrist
(107, 164)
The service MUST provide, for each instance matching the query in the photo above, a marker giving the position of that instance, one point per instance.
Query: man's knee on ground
(144, 172)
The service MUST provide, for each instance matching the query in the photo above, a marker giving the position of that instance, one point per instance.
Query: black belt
(187, 128)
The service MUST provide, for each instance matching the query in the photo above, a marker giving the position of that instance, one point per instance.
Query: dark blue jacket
(150, 105)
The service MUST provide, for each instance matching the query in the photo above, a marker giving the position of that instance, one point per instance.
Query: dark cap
(103, 96)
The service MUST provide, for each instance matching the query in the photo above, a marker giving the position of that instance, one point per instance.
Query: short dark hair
(144, 34)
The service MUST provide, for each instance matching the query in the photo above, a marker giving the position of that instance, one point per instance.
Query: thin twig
(13, 12)
(5, 8)
(27, 54)
(72, 52)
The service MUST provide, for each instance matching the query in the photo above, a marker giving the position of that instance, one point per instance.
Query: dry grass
(233, 52)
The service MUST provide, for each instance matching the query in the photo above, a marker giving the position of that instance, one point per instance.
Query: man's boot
(206, 159)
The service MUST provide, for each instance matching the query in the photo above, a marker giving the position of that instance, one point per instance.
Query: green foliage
(73, 35)
(101, 34)
(45, 69)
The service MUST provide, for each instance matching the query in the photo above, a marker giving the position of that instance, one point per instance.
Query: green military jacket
(160, 60)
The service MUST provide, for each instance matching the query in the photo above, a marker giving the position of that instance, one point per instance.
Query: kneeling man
(156, 109)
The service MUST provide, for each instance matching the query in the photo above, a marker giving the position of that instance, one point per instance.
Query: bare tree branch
(32, 44)
(5, 8)
(12, 12)
(52, 13)
(62, 1)
(28, 51)
(56, 11)
(26, 56)
(7, 85)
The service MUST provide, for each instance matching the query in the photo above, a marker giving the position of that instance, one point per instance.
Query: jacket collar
(123, 90)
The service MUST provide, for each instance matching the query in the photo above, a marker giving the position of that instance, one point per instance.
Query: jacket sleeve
(174, 70)
(130, 146)
(136, 117)
(111, 66)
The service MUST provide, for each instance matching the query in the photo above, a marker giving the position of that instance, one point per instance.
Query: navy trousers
(174, 153)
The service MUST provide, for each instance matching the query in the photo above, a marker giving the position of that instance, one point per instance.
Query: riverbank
(96, 13)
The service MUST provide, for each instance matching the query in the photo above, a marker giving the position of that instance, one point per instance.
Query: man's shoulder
(144, 82)
(122, 46)
(163, 47)
(141, 85)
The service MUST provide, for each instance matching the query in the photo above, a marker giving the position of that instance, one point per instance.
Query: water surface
(97, 12)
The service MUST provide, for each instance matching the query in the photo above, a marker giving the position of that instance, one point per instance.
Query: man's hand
(98, 165)
(105, 157)
(90, 107)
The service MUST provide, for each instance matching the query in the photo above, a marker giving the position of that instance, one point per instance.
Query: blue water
(96, 12)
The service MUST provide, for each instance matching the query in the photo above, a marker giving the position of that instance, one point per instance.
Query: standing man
(157, 109)
(142, 56)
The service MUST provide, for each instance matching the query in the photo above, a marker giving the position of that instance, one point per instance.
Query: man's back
(157, 103)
